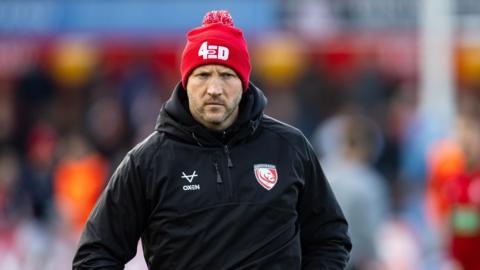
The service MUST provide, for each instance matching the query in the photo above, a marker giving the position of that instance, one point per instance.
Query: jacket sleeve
(323, 227)
(113, 229)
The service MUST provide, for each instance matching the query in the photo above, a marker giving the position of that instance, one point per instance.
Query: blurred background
(387, 91)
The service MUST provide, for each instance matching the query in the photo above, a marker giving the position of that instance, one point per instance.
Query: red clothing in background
(464, 193)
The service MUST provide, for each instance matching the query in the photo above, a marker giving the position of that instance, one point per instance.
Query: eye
(202, 75)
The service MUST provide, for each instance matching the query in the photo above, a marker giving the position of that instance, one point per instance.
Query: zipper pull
(219, 177)
(227, 152)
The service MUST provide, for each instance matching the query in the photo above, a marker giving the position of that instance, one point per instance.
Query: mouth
(214, 104)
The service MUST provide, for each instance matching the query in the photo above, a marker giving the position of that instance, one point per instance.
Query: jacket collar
(175, 119)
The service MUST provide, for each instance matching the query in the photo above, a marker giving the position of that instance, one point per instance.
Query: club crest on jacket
(266, 175)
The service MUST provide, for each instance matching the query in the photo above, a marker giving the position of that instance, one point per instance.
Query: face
(214, 93)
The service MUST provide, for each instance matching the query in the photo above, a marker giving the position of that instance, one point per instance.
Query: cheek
(238, 98)
(192, 100)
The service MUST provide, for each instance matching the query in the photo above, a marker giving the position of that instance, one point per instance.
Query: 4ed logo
(266, 175)
(213, 51)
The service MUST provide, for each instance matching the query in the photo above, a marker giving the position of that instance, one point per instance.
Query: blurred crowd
(72, 109)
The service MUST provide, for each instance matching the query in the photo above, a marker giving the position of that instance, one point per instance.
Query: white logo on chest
(189, 178)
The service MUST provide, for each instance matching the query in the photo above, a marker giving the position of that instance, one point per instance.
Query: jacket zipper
(226, 150)
(227, 184)
(219, 176)
(220, 185)
(227, 153)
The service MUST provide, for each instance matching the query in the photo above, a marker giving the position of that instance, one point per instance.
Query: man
(218, 185)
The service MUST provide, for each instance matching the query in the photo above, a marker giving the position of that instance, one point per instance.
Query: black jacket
(201, 200)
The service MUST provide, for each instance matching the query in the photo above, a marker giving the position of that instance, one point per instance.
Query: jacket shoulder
(292, 135)
(146, 150)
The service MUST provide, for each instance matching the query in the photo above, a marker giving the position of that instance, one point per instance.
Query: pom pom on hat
(217, 41)
(218, 16)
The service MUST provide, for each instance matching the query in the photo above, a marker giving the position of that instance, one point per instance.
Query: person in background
(349, 144)
(78, 180)
(36, 188)
(218, 184)
(453, 190)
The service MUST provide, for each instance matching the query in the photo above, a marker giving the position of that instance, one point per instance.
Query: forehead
(213, 67)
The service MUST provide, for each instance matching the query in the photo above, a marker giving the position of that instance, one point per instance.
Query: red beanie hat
(217, 41)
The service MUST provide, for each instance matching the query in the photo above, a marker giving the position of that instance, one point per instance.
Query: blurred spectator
(319, 97)
(350, 145)
(9, 175)
(454, 186)
(36, 187)
(35, 96)
(141, 97)
(79, 178)
(143, 113)
(399, 112)
(107, 127)
(8, 117)
(279, 62)
(71, 65)
(399, 246)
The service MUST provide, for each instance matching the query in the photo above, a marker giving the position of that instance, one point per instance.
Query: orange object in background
(73, 61)
(446, 161)
(77, 185)
(468, 63)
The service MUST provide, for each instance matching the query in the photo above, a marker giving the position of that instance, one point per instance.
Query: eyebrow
(201, 71)
(226, 71)
(223, 71)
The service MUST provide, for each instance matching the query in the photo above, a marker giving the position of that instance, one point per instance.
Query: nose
(215, 87)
